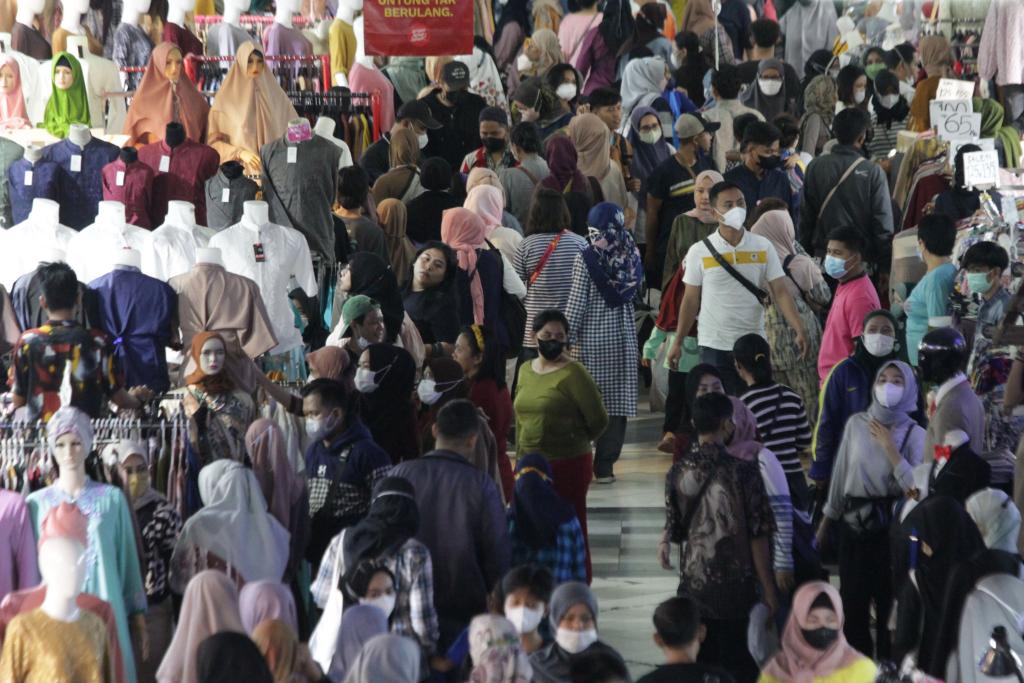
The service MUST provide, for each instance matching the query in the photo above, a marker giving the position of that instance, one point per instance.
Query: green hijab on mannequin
(66, 107)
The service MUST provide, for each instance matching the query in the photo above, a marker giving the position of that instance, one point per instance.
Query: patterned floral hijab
(612, 257)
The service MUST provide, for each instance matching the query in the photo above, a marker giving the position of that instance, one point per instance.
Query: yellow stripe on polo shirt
(743, 258)
(682, 189)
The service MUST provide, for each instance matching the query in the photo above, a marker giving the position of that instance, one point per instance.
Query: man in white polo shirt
(725, 276)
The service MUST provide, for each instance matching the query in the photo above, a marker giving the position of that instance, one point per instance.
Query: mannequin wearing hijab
(68, 102)
(159, 526)
(250, 110)
(219, 413)
(12, 100)
(166, 95)
(113, 574)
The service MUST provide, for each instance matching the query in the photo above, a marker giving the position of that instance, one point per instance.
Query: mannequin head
(64, 536)
(211, 356)
(111, 213)
(233, 10)
(255, 66)
(174, 134)
(172, 66)
(73, 11)
(63, 75)
(285, 10)
(69, 435)
(176, 10)
(27, 9)
(347, 9)
(8, 79)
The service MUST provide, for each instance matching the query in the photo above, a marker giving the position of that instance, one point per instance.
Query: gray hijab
(568, 594)
(359, 624)
(386, 659)
(900, 414)
(769, 106)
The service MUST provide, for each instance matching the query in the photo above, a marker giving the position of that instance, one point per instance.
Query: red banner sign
(418, 28)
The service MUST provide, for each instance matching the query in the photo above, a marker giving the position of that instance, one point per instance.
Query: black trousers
(865, 578)
(677, 413)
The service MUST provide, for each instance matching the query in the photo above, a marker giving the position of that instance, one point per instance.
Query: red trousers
(571, 480)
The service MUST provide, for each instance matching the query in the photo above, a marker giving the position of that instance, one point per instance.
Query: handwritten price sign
(981, 169)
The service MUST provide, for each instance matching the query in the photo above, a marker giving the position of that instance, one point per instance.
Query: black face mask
(769, 162)
(551, 349)
(493, 144)
(820, 638)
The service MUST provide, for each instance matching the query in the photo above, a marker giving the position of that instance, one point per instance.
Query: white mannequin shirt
(92, 252)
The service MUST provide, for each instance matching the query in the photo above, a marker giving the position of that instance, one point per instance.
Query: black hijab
(867, 361)
(374, 278)
(537, 509)
(425, 306)
(886, 80)
(388, 411)
(617, 26)
(393, 519)
(228, 657)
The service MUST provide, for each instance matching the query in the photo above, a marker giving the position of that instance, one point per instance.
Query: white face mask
(566, 91)
(770, 86)
(362, 343)
(422, 139)
(651, 137)
(525, 619)
(575, 642)
(427, 391)
(313, 426)
(878, 344)
(366, 381)
(888, 395)
(523, 62)
(889, 101)
(859, 95)
(734, 217)
(677, 60)
(386, 603)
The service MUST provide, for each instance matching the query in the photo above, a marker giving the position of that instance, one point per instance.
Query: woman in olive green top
(691, 227)
(559, 413)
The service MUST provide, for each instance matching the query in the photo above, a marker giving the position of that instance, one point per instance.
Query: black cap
(709, 126)
(417, 110)
(455, 74)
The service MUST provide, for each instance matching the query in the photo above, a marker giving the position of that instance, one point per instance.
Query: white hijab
(998, 519)
(234, 523)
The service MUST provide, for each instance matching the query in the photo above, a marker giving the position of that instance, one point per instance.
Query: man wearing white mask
(729, 276)
(414, 116)
(527, 590)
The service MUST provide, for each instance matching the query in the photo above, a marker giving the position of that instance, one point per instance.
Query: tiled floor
(625, 521)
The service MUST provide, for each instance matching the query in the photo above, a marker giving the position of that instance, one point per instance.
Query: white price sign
(940, 110)
(953, 89)
(960, 127)
(981, 169)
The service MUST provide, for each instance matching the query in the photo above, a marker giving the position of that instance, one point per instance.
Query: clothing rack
(288, 69)
(252, 23)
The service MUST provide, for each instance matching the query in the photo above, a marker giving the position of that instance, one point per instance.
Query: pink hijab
(464, 232)
(488, 202)
(280, 486)
(777, 228)
(12, 104)
(798, 662)
(744, 444)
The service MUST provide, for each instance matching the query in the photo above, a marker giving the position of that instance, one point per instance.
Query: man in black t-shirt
(458, 112)
(679, 634)
(415, 116)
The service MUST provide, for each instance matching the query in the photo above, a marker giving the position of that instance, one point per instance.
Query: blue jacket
(847, 390)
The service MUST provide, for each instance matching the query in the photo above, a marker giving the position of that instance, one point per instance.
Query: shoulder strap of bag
(552, 245)
(533, 178)
(835, 187)
(759, 294)
(582, 37)
(785, 269)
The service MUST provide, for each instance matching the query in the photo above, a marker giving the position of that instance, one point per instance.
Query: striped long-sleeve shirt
(781, 422)
(782, 507)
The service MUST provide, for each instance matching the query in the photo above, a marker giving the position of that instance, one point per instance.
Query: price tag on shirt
(119, 179)
(257, 250)
(165, 164)
(28, 178)
(225, 196)
(293, 155)
(76, 163)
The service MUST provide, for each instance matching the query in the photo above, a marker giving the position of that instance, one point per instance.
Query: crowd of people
(693, 201)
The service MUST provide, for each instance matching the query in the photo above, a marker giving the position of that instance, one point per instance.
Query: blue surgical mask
(835, 266)
(978, 283)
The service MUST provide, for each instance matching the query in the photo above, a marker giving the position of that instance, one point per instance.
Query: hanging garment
(362, 79)
(29, 41)
(224, 39)
(40, 648)
(21, 245)
(81, 179)
(132, 48)
(136, 311)
(183, 38)
(94, 250)
(181, 173)
(342, 42)
(130, 184)
(174, 248)
(18, 568)
(279, 39)
(27, 181)
(225, 197)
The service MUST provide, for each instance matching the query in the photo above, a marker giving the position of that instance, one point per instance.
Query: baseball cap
(417, 110)
(455, 74)
(356, 307)
(689, 126)
(709, 126)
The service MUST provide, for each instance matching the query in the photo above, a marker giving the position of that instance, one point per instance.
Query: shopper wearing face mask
(852, 87)
(854, 297)
(380, 563)
(565, 81)
(494, 152)
(342, 462)
(762, 174)
(458, 112)
(872, 471)
(813, 644)
(159, 527)
(573, 618)
(729, 300)
(385, 379)
(543, 527)
(768, 93)
(839, 193)
(559, 412)
(526, 592)
(414, 115)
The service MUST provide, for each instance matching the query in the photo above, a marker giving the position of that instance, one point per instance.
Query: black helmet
(941, 354)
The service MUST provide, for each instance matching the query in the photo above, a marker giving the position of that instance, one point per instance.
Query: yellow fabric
(204, 8)
(741, 257)
(40, 649)
(861, 671)
(341, 40)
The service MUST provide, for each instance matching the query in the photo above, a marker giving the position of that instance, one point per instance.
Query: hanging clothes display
(136, 311)
(27, 181)
(181, 173)
(23, 242)
(129, 181)
(132, 48)
(80, 188)
(66, 106)
(29, 41)
(300, 182)
(175, 243)
(95, 250)
(223, 39)
(159, 102)
(183, 38)
(279, 39)
(226, 193)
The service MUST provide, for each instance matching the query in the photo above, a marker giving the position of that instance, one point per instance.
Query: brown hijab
(404, 150)
(211, 384)
(249, 112)
(158, 102)
(330, 362)
(401, 253)
(936, 56)
(590, 137)
(280, 647)
(698, 17)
